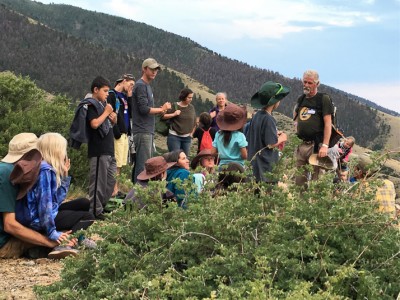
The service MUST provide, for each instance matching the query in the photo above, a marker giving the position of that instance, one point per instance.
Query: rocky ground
(18, 276)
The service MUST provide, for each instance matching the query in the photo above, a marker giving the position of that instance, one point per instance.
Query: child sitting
(345, 148)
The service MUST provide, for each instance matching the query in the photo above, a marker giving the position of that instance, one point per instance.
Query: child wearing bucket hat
(262, 135)
(230, 143)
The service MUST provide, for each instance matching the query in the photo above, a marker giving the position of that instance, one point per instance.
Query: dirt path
(18, 276)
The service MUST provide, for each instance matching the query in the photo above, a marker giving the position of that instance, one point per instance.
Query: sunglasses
(128, 77)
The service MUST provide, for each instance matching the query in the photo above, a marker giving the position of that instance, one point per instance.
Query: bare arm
(108, 111)
(243, 152)
(14, 228)
(160, 110)
(323, 151)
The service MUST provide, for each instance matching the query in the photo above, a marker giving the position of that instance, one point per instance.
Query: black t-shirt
(98, 146)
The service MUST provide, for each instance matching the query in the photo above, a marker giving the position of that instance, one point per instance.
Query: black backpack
(336, 133)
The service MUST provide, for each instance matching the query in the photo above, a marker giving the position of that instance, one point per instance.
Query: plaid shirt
(386, 195)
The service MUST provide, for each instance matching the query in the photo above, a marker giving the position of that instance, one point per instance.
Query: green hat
(269, 93)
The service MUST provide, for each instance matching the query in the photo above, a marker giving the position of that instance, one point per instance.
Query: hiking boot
(100, 217)
(60, 252)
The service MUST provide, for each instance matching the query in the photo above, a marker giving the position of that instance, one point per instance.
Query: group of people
(34, 175)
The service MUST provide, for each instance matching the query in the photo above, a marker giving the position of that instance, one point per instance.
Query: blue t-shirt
(231, 152)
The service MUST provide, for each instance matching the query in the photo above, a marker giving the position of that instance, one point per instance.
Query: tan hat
(19, 145)
(151, 63)
(203, 153)
(154, 166)
(232, 118)
(323, 162)
(366, 165)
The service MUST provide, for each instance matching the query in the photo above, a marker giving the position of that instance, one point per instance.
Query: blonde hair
(351, 139)
(53, 147)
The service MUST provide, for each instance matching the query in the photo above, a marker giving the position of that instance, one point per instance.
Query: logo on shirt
(306, 113)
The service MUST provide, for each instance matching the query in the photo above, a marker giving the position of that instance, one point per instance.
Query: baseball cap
(19, 145)
(151, 63)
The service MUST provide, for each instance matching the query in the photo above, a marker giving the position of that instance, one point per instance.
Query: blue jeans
(175, 142)
(144, 151)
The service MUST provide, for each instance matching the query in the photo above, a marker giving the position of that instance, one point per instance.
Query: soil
(18, 276)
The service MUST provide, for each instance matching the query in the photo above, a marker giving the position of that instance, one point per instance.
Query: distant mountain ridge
(132, 41)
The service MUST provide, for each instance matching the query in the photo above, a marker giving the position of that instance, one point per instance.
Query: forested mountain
(74, 45)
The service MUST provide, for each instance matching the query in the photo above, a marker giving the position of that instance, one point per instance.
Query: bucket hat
(323, 162)
(269, 94)
(19, 145)
(151, 63)
(154, 166)
(232, 118)
(26, 172)
(203, 153)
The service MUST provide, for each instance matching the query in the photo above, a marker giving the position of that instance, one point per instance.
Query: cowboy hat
(232, 118)
(203, 153)
(154, 166)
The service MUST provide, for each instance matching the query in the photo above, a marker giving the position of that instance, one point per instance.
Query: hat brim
(231, 126)
(154, 66)
(12, 158)
(257, 101)
(323, 162)
(196, 160)
(144, 175)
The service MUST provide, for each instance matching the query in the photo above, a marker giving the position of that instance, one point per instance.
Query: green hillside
(83, 44)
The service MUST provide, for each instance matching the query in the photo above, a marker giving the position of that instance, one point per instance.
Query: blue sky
(354, 45)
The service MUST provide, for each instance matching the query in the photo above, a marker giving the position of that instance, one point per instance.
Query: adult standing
(313, 115)
(220, 98)
(143, 115)
(183, 122)
(118, 98)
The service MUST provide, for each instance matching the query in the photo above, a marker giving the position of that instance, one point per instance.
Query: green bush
(269, 244)
(26, 108)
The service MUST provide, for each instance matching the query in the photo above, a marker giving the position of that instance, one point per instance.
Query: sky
(354, 45)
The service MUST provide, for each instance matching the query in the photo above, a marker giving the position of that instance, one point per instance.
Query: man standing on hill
(143, 115)
(313, 115)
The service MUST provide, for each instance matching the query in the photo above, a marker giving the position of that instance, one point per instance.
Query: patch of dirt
(18, 276)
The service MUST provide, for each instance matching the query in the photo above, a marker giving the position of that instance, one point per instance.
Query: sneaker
(60, 252)
(88, 243)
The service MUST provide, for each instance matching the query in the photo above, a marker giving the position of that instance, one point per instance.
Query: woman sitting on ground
(43, 207)
(179, 171)
(155, 169)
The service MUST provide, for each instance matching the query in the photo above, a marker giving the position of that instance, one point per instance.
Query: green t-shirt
(8, 197)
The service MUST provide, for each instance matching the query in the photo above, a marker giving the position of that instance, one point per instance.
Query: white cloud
(385, 94)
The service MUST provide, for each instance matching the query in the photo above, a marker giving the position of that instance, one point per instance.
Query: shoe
(60, 252)
(100, 217)
(88, 243)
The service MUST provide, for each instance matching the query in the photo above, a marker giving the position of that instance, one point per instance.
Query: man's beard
(306, 90)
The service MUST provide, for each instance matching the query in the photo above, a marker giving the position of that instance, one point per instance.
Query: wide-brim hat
(19, 145)
(151, 63)
(269, 94)
(26, 171)
(232, 118)
(323, 162)
(203, 153)
(154, 166)
(365, 164)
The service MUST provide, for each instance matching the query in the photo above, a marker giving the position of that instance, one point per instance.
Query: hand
(213, 114)
(64, 236)
(282, 137)
(67, 164)
(166, 106)
(177, 112)
(108, 109)
(113, 117)
(323, 152)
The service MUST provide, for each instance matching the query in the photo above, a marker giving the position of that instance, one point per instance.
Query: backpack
(336, 133)
(206, 140)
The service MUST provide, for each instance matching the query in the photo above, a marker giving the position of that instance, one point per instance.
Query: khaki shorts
(14, 248)
(121, 150)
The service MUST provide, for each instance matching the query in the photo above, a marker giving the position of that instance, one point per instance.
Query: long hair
(53, 147)
(227, 135)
